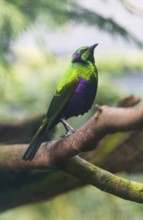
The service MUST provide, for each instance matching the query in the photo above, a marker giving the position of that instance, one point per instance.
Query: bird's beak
(93, 46)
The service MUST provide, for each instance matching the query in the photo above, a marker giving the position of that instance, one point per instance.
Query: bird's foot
(99, 110)
(69, 129)
(68, 133)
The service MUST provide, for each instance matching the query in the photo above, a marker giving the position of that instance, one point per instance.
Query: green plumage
(79, 79)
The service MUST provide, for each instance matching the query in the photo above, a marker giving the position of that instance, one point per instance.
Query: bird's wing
(63, 93)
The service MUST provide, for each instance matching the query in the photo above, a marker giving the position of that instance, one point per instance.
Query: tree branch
(29, 187)
(109, 120)
(19, 132)
(104, 180)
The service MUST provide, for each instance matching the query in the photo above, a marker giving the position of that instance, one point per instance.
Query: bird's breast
(81, 99)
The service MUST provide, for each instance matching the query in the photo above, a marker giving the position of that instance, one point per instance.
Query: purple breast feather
(82, 98)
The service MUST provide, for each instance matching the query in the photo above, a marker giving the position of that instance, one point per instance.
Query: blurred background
(37, 39)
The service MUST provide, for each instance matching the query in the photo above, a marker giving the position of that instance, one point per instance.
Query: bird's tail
(36, 141)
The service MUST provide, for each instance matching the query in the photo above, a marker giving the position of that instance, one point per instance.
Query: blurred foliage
(12, 22)
(18, 15)
(121, 63)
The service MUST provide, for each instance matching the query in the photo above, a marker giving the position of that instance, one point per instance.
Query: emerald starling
(74, 96)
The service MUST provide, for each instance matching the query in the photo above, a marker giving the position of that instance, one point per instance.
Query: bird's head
(84, 54)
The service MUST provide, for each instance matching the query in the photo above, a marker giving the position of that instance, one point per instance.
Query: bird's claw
(68, 133)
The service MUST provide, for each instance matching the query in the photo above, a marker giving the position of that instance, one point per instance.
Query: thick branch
(110, 120)
(126, 155)
(21, 131)
(28, 187)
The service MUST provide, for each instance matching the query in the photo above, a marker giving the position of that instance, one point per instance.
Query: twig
(104, 180)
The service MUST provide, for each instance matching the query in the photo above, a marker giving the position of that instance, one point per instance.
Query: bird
(74, 95)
